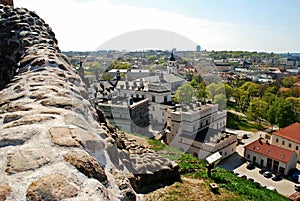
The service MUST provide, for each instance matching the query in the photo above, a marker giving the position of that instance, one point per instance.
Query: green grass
(244, 189)
(238, 122)
(193, 167)
(156, 145)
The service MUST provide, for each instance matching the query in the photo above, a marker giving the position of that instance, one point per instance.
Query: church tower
(7, 2)
(172, 67)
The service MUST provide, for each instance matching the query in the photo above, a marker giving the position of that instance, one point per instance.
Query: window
(153, 98)
(248, 156)
(282, 142)
(297, 148)
(277, 140)
(221, 153)
(290, 145)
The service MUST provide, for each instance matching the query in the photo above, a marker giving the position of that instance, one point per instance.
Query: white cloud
(85, 25)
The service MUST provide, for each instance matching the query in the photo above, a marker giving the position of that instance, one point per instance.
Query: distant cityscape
(142, 92)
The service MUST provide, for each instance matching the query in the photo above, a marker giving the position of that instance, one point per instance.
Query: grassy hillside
(195, 181)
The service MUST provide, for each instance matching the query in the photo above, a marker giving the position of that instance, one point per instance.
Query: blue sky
(253, 25)
(249, 12)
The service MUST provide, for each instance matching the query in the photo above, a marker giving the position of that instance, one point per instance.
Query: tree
(269, 98)
(296, 106)
(257, 109)
(252, 88)
(194, 83)
(184, 94)
(282, 113)
(215, 89)
(220, 99)
(228, 91)
(201, 94)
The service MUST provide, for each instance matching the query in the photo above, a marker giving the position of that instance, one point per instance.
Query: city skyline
(84, 25)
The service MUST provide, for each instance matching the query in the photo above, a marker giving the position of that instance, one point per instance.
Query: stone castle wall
(53, 144)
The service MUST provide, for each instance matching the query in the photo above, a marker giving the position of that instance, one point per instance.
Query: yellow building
(288, 138)
(274, 158)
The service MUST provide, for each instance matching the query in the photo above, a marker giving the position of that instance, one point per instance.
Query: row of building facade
(144, 105)
(280, 154)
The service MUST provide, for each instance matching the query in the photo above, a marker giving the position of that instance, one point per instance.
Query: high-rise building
(198, 48)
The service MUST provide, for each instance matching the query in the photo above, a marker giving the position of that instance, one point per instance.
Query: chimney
(7, 2)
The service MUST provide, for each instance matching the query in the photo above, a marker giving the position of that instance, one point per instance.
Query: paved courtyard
(238, 164)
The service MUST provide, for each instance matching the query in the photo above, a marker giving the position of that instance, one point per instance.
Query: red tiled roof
(297, 84)
(271, 151)
(291, 132)
(283, 89)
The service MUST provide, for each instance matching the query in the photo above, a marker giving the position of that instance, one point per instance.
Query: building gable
(291, 132)
(270, 151)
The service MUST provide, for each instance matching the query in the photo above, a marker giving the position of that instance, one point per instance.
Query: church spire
(172, 58)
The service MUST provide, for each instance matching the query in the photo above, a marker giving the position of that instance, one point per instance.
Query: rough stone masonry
(52, 144)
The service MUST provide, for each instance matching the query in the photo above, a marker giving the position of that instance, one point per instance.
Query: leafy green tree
(228, 91)
(185, 93)
(282, 113)
(120, 65)
(257, 109)
(220, 99)
(269, 98)
(106, 76)
(215, 89)
(242, 98)
(296, 106)
(252, 88)
(194, 83)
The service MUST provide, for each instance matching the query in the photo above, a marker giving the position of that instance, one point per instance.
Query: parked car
(262, 171)
(250, 166)
(250, 179)
(267, 174)
(297, 187)
(277, 177)
(245, 136)
(242, 176)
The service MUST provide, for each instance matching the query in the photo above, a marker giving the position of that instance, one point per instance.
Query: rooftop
(269, 150)
(291, 132)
